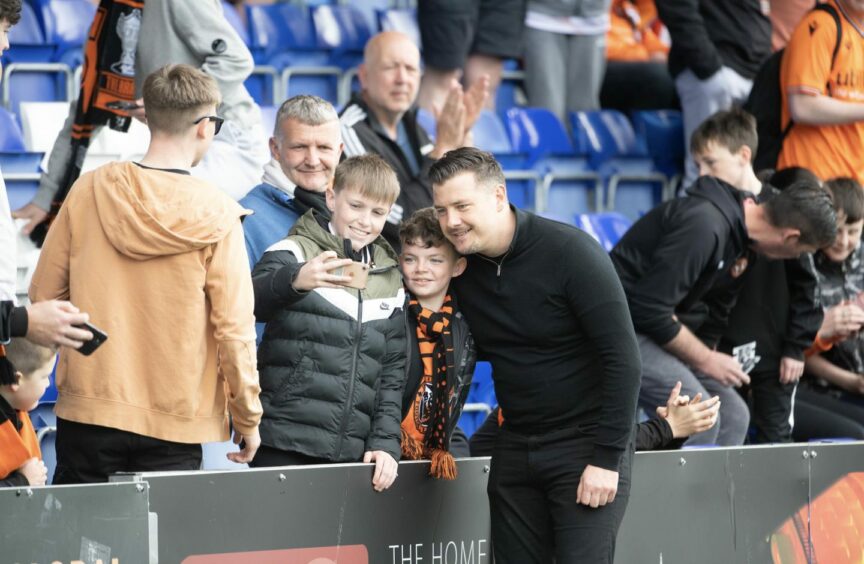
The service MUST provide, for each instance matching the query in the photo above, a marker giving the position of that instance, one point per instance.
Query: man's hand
(597, 486)
(251, 442)
(687, 417)
(318, 273)
(139, 113)
(475, 99)
(841, 322)
(35, 471)
(52, 323)
(386, 469)
(723, 368)
(790, 370)
(450, 122)
(33, 213)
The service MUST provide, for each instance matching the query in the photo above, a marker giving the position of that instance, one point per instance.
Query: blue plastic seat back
(490, 133)
(236, 21)
(11, 137)
(482, 385)
(47, 86)
(606, 227)
(278, 28)
(605, 135)
(536, 132)
(67, 23)
(344, 31)
(28, 40)
(43, 415)
(662, 132)
(401, 20)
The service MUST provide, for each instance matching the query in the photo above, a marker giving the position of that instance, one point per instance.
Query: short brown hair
(370, 175)
(483, 165)
(10, 10)
(174, 95)
(423, 230)
(848, 198)
(27, 357)
(732, 129)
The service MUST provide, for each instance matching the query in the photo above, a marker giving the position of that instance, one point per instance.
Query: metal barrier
(794, 503)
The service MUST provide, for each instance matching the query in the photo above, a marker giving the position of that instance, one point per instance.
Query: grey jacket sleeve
(51, 179)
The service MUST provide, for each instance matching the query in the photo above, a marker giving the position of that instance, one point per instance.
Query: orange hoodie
(158, 261)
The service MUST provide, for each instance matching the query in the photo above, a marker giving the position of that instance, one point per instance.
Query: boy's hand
(35, 471)
(251, 442)
(31, 212)
(386, 469)
(318, 273)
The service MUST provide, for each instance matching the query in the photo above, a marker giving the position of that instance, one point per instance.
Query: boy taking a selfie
(332, 358)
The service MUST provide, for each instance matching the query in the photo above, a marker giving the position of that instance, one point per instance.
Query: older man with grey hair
(306, 146)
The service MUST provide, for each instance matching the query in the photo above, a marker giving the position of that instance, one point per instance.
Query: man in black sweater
(681, 266)
(549, 313)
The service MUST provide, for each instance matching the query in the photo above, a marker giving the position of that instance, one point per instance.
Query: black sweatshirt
(674, 262)
(551, 317)
(709, 33)
(778, 307)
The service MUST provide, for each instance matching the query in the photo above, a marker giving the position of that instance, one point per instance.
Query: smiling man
(547, 310)
(306, 146)
(382, 119)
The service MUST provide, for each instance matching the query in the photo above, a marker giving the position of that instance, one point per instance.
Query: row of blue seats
(604, 162)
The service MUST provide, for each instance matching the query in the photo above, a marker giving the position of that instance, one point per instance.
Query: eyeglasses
(215, 119)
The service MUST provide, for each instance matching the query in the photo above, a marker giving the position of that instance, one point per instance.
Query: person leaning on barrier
(157, 258)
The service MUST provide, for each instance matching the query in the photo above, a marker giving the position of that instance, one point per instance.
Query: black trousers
(770, 407)
(822, 413)
(90, 453)
(532, 500)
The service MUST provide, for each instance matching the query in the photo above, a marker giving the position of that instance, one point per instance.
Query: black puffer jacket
(465, 357)
(332, 361)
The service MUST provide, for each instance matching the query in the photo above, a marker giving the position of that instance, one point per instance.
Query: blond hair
(370, 175)
(175, 95)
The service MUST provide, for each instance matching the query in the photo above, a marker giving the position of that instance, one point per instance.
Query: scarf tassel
(443, 465)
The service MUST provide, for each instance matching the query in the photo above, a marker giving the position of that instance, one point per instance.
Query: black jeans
(532, 500)
(771, 408)
(91, 453)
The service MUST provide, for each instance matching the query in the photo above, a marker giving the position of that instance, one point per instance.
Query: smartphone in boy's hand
(359, 273)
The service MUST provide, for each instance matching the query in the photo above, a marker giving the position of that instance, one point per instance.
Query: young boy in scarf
(441, 353)
(20, 458)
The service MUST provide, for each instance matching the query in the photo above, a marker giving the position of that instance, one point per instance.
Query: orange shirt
(17, 447)
(827, 150)
(634, 32)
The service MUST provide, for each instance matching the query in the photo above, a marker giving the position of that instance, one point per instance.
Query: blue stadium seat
(236, 22)
(43, 415)
(401, 20)
(512, 81)
(481, 399)
(28, 40)
(570, 185)
(11, 137)
(283, 37)
(344, 30)
(66, 24)
(621, 159)
(662, 132)
(606, 227)
(35, 82)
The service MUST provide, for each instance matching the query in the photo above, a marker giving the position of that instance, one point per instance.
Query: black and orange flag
(108, 76)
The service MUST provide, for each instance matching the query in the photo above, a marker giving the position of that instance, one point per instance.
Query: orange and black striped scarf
(108, 76)
(424, 429)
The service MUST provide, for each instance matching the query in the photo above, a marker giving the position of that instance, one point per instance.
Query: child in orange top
(20, 458)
